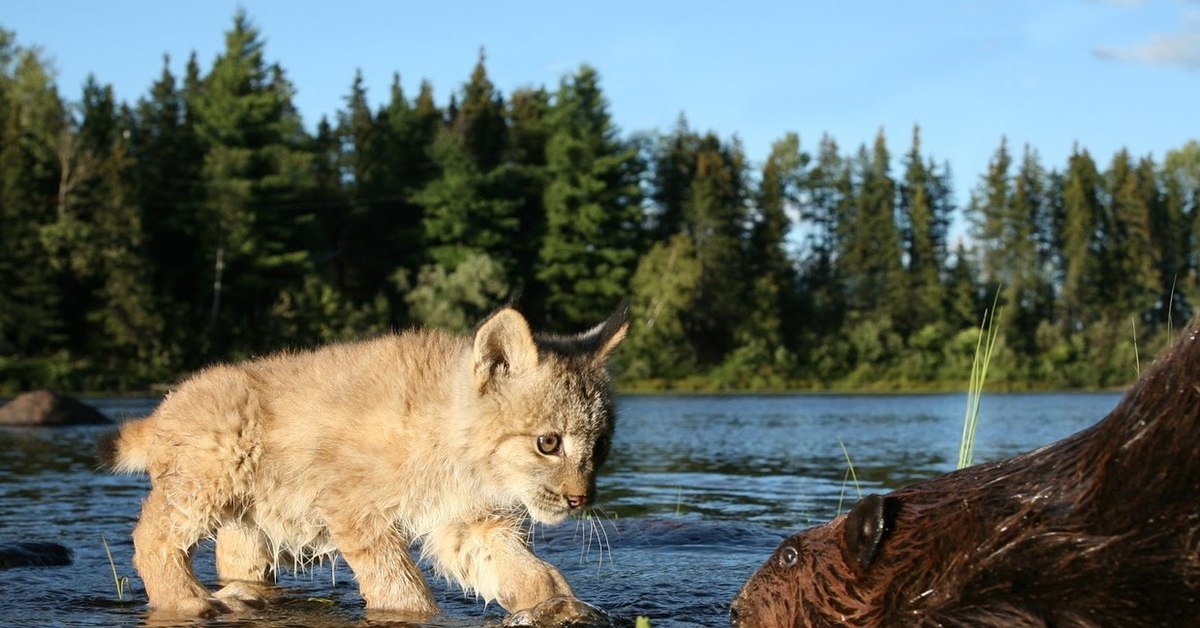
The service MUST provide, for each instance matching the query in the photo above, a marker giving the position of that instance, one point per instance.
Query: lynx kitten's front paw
(561, 611)
(239, 596)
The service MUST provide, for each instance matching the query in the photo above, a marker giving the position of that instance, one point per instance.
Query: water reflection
(698, 490)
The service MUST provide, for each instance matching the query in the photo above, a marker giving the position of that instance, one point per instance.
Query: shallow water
(696, 494)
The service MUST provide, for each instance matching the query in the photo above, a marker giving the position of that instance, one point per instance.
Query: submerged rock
(561, 612)
(47, 408)
(33, 554)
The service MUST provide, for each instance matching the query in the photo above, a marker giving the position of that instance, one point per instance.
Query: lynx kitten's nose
(577, 501)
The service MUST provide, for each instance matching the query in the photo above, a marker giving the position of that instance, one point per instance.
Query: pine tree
(407, 131)
(715, 217)
(593, 207)
(1013, 220)
(370, 255)
(531, 125)
(1129, 258)
(256, 174)
(1181, 174)
(463, 212)
(826, 210)
(332, 205)
(1168, 234)
(769, 263)
(872, 263)
(34, 121)
(480, 120)
(1081, 247)
(924, 241)
(102, 230)
(674, 168)
(167, 157)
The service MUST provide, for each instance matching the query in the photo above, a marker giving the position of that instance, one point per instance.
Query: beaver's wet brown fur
(1099, 529)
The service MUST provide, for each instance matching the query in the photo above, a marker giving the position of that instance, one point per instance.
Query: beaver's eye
(549, 444)
(789, 556)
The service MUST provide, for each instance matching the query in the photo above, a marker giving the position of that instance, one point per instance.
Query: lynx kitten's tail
(127, 450)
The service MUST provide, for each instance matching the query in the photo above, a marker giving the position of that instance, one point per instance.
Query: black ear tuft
(865, 528)
(613, 331)
(514, 299)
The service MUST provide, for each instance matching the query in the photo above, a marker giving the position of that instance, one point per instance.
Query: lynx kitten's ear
(612, 331)
(503, 344)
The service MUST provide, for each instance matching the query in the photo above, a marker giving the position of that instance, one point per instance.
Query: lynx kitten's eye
(549, 444)
(601, 448)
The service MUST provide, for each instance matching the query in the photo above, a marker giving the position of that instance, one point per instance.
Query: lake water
(696, 494)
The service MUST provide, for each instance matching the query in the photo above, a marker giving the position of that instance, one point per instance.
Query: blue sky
(1105, 74)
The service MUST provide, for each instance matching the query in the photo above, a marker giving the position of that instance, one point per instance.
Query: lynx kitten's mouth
(548, 507)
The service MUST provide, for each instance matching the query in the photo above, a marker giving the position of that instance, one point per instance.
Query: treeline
(204, 222)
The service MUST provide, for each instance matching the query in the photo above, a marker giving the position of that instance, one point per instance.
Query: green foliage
(206, 222)
(663, 289)
(455, 300)
(592, 207)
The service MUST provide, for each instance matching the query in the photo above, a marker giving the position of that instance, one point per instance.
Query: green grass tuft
(850, 475)
(121, 582)
(984, 349)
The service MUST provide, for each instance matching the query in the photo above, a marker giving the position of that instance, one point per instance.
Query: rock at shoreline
(33, 554)
(43, 407)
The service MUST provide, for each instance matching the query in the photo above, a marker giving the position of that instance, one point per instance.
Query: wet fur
(1099, 529)
(367, 448)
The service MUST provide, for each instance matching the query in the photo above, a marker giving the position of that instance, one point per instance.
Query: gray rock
(43, 407)
(33, 554)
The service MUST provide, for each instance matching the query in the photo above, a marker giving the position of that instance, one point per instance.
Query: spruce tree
(593, 207)
(775, 299)
(104, 236)
(1011, 212)
(924, 241)
(1168, 233)
(1082, 275)
(715, 217)
(407, 131)
(826, 210)
(256, 175)
(873, 260)
(480, 121)
(34, 121)
(674, 168)
(531, 124)
(1129, 257)
(168, 157)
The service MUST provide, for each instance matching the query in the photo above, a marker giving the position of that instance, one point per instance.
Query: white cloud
(1179, 49)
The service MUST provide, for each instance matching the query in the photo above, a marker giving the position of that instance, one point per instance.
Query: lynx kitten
(366, 448)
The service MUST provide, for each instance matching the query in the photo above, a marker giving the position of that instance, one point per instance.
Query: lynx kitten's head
(548, 404)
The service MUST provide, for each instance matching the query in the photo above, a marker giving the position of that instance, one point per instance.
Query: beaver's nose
(734, 620)
(577, 501)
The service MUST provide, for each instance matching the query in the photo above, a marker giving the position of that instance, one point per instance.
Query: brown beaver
(1101, 528)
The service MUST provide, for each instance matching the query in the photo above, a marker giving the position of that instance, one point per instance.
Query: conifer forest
(206, 222)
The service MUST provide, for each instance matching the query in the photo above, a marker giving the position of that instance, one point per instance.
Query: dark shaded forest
(204, 222)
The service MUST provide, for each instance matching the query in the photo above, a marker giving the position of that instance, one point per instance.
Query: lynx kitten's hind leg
(242, 553)
(243, 566)
(162, 540)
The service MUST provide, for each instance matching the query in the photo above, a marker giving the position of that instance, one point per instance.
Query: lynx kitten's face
(560, 433)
